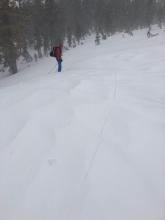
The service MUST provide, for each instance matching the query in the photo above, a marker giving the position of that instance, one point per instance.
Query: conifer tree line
(39, 24)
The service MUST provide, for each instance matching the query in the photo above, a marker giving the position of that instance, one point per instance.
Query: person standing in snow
(57, 53)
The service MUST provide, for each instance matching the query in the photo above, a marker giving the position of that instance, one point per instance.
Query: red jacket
(58, 52)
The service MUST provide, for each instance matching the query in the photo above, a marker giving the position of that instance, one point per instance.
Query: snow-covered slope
(87, 143)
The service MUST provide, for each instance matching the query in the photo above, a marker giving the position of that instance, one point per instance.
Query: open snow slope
(87, 143)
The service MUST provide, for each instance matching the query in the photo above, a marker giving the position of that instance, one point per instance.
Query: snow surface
(87, 143)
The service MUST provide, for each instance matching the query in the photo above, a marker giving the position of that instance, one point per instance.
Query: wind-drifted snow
(87, 143)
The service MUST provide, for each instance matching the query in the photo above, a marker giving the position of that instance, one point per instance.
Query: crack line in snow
(101, 133)
(115, 89)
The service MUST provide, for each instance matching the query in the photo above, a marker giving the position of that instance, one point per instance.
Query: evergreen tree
(97, 39)
(8, 32)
